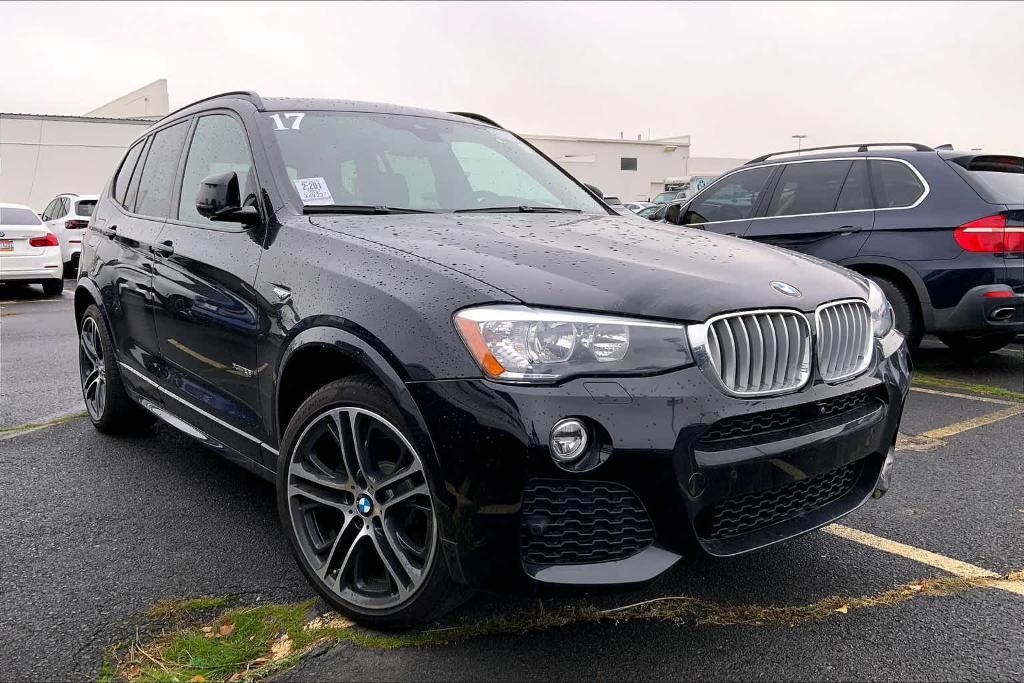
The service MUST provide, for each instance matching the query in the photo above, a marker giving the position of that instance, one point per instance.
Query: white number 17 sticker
(294, 118)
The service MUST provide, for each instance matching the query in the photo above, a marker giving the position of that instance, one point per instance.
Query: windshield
(665, 197)
(413, 162)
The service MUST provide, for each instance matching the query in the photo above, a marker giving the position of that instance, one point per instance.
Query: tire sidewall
(908, 319)
(359, 393)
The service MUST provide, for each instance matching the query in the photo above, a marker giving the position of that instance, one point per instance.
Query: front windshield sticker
(314, 191)
(291, 121)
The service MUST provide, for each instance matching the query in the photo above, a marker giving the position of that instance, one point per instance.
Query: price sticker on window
(314, 191)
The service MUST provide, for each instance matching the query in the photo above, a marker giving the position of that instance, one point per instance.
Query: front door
(727, 206)
(206, 316)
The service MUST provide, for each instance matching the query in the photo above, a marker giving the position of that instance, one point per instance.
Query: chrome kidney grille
(755, 353)
(844, 341)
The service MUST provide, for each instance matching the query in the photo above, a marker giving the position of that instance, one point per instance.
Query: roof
(83, 119)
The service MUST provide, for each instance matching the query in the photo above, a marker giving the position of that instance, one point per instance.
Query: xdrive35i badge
(784, 288)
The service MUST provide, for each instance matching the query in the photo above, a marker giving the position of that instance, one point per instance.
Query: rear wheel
(904, 306)
(53, 287)
(355, 502)
(970, 345)
(106, 400)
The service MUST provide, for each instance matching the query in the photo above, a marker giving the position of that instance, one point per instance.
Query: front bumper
(708, 472)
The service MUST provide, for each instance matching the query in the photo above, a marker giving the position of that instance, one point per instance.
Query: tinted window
(48, 211)
(12, 216)
(627, 163)
(85, 207)
(732, 198)
(157, 179)
(218, 146)
(998, 179)
(124, 175)
(856, 194)
(808, 188)
(895, 184)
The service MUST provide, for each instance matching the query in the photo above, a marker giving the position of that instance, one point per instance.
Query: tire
(973, 345)
(341, 527)
(908, 313)
(107, 403)
(53, 287)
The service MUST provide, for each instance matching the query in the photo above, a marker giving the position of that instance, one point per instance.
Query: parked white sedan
(29, 251)
(67, 216)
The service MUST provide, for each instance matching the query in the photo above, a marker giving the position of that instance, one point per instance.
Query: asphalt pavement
(97, 529)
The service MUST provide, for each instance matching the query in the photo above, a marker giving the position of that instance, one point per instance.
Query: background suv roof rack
(476, 117)
(247, 94)
(861, 147)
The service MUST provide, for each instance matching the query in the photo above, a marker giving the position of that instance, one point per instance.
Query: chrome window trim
(869, 353)
(924, 194)
(698, 337)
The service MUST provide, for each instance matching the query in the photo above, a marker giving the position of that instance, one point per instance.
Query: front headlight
(522, 344)
(883, 319)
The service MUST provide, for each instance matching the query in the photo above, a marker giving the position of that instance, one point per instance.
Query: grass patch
(252, 643)
(926, 379)
(183, 607)
(28, 426)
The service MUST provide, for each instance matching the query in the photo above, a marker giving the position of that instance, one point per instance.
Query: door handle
(165, 248)
(849, 230)
(110, 232)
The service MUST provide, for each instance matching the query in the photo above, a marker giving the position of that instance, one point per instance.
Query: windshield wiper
(518, 209)
(361, 209)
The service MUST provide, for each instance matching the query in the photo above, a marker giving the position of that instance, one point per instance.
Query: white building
(42, 156)
(629, 169)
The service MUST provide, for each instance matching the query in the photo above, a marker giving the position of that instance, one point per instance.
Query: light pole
(799, 143)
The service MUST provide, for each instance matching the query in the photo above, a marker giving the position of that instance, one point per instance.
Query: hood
(611, 264)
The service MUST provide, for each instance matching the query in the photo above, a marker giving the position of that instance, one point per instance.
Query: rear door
(727, 206)
(822, 208)
(207, 320)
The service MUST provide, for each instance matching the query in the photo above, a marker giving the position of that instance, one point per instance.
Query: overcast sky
(739, 78)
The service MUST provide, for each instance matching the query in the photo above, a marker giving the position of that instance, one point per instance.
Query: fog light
(568, 440)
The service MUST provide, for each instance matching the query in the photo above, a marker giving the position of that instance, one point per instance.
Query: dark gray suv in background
(461, 368)
(940, 231)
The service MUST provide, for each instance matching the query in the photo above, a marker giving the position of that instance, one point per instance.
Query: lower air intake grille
(581, 522)
(759, 510)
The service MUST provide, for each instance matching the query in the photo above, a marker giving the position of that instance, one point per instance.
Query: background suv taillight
(998, 233)
(47, 240)
(76, 224)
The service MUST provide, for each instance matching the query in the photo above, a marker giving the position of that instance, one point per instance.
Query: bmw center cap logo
(364, 504)
(784, 288)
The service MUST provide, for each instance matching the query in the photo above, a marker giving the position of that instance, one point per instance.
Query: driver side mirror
(674, 213)
(219, 200)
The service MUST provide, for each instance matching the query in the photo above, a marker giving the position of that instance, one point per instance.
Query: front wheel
(971, 345)
(355, 502)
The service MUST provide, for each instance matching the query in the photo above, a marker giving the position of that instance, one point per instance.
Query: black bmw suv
(940, 231)
(459, 366)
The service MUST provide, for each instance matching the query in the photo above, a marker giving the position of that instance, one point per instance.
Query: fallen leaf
(259, 660)
(237, 676)
(915, 586)
(133, 672)
(198, 678)
(207, 631)
(281, 648)
(226, 629)
(844, 609)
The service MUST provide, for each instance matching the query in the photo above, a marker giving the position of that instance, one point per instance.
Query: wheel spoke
(322, 572)
(343, 567)
(402, 497)
(89, 342)
(391, 561)
(301, 471)
(394, 543)
(90, 384)
(323, 496)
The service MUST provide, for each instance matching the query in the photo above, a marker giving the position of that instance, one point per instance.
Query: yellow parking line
(947, 564)
(951, 394)
(972, 423)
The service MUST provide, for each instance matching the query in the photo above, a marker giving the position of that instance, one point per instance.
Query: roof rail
(248, 94)
(861, 147)
(476, 117)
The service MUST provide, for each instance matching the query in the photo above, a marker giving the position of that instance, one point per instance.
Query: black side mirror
(219, 200)
(674, 213)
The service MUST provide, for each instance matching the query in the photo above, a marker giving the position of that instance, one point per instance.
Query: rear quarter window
(896, 185)
(998, 179)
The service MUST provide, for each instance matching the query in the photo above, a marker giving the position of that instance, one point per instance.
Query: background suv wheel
(905, 307)
(356, 504)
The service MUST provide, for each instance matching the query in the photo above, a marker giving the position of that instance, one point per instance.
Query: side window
(856, 194)
(157, 180)
(733, 198)
(809, 187)
(895, 184)
(62, 208)
(219, 145)
(48, 211)
(124, 175)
